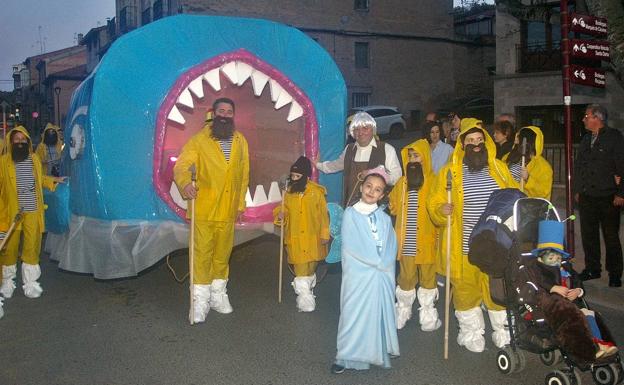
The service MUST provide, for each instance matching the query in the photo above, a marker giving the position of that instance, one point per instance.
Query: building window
(360, 99)
(127, 20)
(361, 55)
(360, 5)
(158, 9)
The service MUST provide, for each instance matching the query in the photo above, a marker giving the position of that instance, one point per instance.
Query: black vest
(377, 158)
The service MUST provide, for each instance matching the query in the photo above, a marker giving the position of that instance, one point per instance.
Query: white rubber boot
(218, 298)
(8, 280)
(201, 303)
(30, 275)
(427, 313)
(471, 329)
(403, 306)
(303, 287)
(500, 333)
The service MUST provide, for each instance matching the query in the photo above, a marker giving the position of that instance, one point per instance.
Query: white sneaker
(471, 329)
(201, 305)
(219, 300)
(403, 306)
(30, 275)
(8, 280)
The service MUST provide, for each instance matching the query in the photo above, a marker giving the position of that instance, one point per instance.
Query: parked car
(389, 120)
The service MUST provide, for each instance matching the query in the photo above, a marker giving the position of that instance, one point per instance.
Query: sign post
(4, 106)
(596, 50)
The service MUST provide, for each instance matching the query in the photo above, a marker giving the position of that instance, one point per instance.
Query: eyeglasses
(588, 116)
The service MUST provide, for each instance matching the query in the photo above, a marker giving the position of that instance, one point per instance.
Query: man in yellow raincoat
(4, 226)
(475, 174)
(537, 172)
(220, 156)
(307, 230)
(50, 150)
(21, 183)
(417, 237)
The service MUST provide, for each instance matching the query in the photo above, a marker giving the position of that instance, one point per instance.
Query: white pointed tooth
(243, 72)
(260, 197)
(186, 99)
(276, 89)
(258, 81)
(197, 87)
(283, 99)
(248, 200)
(295, 111)
(176, 116)
(177, 198)
(275, 194)
(213, 78)
(229, 69)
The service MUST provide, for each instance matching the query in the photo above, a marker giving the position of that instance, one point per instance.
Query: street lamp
(57, 91)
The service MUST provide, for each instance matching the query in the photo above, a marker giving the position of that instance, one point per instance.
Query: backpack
(492, 241)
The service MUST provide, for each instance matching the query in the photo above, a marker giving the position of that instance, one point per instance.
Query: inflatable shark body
(150, 93)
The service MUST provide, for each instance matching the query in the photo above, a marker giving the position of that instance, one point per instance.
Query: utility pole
(4, 106)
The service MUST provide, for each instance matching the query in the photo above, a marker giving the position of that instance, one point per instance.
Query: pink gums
(311, 125)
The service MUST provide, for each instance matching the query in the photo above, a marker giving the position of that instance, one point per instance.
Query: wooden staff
(522, 163)
(281, 257)
(447, 288)
(16, 219)
(192, 248)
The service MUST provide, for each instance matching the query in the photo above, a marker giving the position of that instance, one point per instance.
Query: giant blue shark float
(120, 212)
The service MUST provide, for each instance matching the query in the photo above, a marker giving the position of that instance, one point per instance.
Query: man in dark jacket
(598, 167)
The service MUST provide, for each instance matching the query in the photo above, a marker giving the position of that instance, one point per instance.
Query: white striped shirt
(516, 171)
(25, 180)
(411, 224)
(478, 186)
(226, 147)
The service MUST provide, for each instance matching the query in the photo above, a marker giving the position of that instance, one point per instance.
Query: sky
(29, 26)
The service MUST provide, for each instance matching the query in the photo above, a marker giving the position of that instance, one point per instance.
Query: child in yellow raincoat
(417, 238)
(50, 150)
(537, 172)
(307, 230)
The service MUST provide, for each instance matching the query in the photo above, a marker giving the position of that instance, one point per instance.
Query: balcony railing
(538, 57)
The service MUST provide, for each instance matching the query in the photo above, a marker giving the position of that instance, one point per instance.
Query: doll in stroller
(545, 301)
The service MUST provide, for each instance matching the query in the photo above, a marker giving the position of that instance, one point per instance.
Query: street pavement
(135, 331)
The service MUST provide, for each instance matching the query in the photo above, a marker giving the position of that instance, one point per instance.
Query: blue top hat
(551, 236)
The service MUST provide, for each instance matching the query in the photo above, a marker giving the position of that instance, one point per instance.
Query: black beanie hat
(302, 166)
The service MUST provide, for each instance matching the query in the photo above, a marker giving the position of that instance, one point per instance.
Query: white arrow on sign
(575, 48)
(574, 21)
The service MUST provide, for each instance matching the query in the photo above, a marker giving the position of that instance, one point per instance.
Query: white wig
(362, 119)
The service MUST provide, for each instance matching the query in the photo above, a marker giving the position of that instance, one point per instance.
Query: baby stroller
(503, 240)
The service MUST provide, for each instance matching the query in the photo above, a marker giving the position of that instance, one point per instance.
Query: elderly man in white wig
(366, 153)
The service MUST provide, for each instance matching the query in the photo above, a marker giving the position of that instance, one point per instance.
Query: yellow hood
(422, 147)
(539, 138)
(51, 126)
(7, 141)
(465, 125)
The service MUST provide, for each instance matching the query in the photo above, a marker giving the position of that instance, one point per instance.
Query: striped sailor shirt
(478, 186)
(25, 180)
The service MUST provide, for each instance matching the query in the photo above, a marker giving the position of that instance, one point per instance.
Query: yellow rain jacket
(426, 237)
(8, 182)
(539, 184)
(221, 185)
(42, 151)
(307, 224)
(438, 196)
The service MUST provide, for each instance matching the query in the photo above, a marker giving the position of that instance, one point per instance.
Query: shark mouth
(275, 116)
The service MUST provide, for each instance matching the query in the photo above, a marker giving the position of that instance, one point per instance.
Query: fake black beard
(19, 152)
(515, 155)
(222, 128)
(415, 177)
(475, 160)
(298, 186)
(50, 138)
